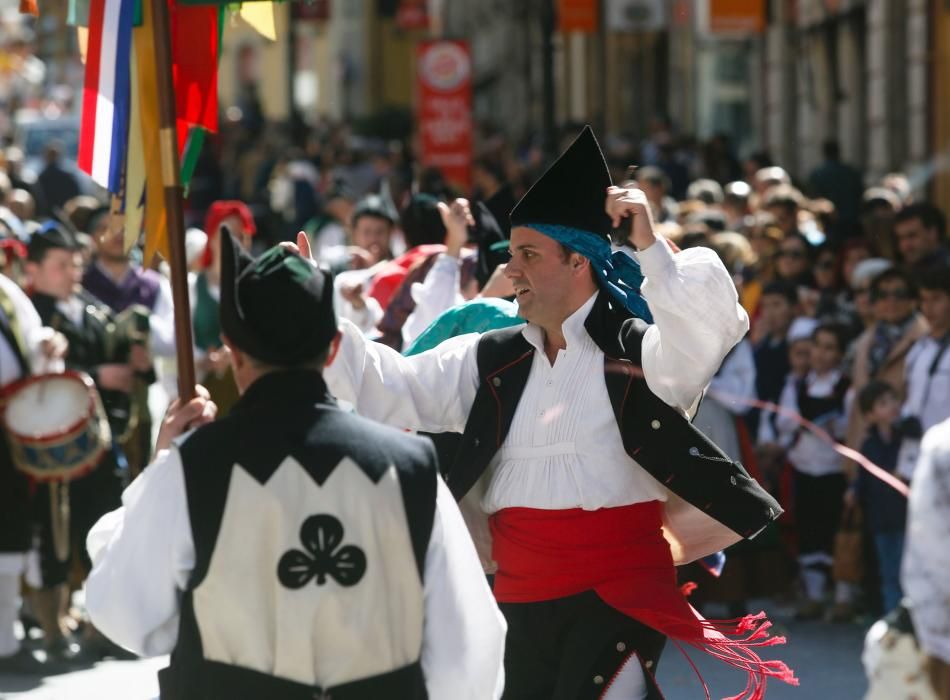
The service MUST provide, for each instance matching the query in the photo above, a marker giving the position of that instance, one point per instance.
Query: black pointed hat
(277, 308)
(571, 192)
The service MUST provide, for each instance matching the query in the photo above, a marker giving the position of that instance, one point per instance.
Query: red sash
(620, 553)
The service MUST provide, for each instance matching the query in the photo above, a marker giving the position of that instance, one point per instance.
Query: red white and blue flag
(106, 101)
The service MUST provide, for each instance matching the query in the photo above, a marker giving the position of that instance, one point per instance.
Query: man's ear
(238, 359)
(334, 348)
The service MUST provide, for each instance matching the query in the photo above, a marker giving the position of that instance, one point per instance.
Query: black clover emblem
(320, 536)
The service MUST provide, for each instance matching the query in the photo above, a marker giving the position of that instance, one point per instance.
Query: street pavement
(826, 657)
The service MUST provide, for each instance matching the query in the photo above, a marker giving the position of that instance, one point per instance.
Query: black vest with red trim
(657, 436)
(331, 515)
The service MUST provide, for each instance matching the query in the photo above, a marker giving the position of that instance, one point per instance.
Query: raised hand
(631, 202)
(456, 217)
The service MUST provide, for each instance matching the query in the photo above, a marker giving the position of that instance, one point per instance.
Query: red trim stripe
(87, 133)
(488, 379)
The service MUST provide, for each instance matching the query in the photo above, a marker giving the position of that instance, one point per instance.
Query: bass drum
(56, 426)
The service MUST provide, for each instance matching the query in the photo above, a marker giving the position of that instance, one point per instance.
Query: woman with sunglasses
(880, 352)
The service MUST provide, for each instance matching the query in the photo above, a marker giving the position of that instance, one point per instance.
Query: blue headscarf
(617, 272)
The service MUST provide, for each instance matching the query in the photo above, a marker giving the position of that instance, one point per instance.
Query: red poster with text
(444, 109)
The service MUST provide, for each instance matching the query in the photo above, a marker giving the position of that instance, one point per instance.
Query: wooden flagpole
(174, 210)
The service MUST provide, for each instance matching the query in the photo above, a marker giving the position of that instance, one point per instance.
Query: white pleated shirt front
(564, 448)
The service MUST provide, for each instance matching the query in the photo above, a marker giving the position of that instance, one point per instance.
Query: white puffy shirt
(564, 448)
(572, 456)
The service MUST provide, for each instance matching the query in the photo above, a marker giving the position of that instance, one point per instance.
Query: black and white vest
(712, 501)
(310, 528)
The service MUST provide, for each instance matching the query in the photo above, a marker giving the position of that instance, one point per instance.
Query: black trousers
(90, 497)
(570, 648)
(15, 503)
(818, 506)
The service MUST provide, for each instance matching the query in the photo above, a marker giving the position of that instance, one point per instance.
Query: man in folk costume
(576, 443)
(293, 550)
(53, 267)
(25, 344)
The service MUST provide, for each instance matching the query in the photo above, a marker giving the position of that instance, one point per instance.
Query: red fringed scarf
(621, 554)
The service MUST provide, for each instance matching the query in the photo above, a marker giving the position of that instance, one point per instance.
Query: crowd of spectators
(846, 280)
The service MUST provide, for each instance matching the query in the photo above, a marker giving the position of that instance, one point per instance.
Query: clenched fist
(632, 202)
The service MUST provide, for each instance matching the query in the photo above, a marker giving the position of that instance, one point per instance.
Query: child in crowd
(819, 480)
(885, 510)
(799, 341)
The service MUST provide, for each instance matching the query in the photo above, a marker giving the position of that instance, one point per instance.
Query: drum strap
(10, 329)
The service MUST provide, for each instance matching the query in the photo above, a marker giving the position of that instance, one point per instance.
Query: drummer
(25, 344)
(54, 269)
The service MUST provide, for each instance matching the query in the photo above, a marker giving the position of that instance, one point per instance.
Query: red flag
(195, 58)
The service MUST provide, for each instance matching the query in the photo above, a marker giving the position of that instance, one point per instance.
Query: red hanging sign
(444, 108)
(577, 16)
(412, 15)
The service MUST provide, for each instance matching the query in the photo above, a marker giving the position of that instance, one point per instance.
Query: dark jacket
(885, 510)
(285, 422)
(92, 343)
(771, 368)
(713, 501)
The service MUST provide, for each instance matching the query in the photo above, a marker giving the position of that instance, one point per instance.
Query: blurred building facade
(775, 75)
(778, 75)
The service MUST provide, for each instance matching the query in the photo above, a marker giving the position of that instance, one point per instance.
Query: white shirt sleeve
(367, 318)
(437, 293)
(32, 329)
(907, 458)
(142, 556)
(463, 648)
(697, 320)
(926, 554)
(162, 322)
(431, 391)
(786, 425)
(734, 385)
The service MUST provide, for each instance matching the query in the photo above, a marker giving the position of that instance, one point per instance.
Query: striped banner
(106, 92)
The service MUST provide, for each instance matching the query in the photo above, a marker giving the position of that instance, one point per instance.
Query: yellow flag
(260, 15)
(82, 38)
(135, 159)
(156, 229)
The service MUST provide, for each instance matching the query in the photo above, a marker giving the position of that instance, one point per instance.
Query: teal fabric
(206, 321)
(475, 316)
(618, 273)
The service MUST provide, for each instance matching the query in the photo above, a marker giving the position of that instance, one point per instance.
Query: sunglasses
(897, 294)
(797, 254)
(825, 265)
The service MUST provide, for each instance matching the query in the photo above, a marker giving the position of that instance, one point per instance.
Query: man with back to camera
(292, 550)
